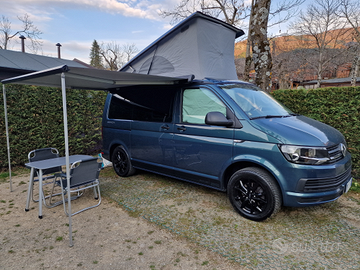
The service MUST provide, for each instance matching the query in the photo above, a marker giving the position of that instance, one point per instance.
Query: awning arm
(37, 74)
(7, 135)
(63, 90)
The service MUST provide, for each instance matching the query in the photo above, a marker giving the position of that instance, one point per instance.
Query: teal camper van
(220, 132)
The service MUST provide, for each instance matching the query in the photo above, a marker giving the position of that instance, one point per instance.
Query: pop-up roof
(200, 45)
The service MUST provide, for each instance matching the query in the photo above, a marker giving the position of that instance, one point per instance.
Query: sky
(75, 24)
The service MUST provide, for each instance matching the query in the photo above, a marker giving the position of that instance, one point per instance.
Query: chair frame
(32, 156)
(79, 187)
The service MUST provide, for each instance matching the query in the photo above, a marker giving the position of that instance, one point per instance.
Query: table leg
(40, 193)
(29, 193)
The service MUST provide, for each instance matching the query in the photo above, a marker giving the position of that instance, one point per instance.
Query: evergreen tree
(95, 56)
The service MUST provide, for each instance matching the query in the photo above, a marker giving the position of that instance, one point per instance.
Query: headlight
(305, 155)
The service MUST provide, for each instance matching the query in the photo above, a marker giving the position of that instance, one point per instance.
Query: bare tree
(248, 57)
(230, 11)
(111, 54)
(350, 10)
(129, 51)
(260, 43)
(323, 31)
(278, 14)
(284, 69)
(115, 55)
(28, 29)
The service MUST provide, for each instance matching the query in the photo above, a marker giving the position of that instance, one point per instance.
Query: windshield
(255, 102)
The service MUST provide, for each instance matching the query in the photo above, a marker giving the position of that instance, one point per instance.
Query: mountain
(286, 43)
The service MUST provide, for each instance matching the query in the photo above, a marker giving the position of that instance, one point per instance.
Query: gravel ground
(105, 237)
(168, 224)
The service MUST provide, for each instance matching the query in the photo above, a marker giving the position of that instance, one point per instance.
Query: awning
(93, 79)
(81, 78)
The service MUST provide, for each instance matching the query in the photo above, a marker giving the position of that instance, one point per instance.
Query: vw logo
(343, 149)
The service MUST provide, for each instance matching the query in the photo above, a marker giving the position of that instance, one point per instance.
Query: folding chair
(83, 175)
(48, 174)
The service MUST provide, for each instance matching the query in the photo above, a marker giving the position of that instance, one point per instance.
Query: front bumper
(318, 192)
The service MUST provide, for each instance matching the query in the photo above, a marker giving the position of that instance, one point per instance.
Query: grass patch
(134, 214)
(15, 171)
(108, 172)
(59, 238)
(355, 186)
(4, 177)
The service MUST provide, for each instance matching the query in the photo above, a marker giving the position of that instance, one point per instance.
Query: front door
(201, 152)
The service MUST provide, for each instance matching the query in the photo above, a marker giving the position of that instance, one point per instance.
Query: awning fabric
(94, 79)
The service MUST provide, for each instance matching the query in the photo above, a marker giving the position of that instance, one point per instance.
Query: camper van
(230, 136)
(220, 133)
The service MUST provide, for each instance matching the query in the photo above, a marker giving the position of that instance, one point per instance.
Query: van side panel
(151, 142)
(203, 149)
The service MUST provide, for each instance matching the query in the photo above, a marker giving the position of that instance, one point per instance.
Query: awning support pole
(7, 135)
(63, 90)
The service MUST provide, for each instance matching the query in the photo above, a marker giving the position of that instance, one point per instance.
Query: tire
(121, 162)
(254, 193)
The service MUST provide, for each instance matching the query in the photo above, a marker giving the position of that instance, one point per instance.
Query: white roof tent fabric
(200, 45)
(80, 78)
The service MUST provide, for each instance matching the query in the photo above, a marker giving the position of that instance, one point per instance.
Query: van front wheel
(121, 162)
(254, 193)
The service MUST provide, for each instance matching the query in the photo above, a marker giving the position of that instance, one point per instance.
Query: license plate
(348, 186)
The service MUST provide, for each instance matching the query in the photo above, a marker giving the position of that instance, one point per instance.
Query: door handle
(166, 127)
(182, 128)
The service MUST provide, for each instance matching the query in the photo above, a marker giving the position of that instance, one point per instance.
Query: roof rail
(189, 78)
(212, 80)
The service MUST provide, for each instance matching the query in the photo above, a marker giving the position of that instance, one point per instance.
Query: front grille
(324, 184)
(335, 153)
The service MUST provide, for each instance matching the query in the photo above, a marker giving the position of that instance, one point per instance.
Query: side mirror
(217, 119)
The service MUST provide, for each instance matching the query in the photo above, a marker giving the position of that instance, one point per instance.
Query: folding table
(42, 165)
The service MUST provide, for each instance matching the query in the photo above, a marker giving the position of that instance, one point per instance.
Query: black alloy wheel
(121, 162)
(254, 193)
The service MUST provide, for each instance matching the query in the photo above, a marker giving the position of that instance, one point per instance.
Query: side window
(196, 103)
(121, 108)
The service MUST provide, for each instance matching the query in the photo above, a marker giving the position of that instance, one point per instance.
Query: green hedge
(35, 119)
(338, 107)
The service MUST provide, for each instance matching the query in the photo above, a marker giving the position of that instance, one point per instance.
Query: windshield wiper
(274, 116)
(269, 116)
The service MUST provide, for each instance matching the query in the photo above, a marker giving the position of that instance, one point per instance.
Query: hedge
(35, 119)
(338, 107)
